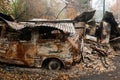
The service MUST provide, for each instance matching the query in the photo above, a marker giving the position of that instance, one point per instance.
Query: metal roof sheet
(66, 27)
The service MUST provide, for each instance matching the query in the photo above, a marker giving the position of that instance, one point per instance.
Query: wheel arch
(47, 60)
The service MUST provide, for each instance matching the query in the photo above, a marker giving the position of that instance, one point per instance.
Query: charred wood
(101, 51)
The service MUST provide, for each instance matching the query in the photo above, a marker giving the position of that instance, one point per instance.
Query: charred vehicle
(52, 44)
(41, 43)
(44, 44)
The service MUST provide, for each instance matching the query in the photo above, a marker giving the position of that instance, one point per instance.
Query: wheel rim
(54, 65)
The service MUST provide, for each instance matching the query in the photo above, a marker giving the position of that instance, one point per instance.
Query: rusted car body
(43, 44)
(52, 44)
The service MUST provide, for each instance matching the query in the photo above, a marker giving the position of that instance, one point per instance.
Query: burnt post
(118, 10)
(103, 7)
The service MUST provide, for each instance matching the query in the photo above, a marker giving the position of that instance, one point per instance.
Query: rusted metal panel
(21, 52)
(53, 44)
(67, 27)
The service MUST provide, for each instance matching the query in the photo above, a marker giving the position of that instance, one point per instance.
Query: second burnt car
(39, 44)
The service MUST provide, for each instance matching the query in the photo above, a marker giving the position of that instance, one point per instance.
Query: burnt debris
(85, 16)
(36, 43)
(109, 18)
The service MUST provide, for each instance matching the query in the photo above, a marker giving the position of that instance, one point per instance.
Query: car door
(4, 43)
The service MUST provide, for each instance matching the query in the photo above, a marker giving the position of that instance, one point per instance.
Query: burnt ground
(112, 75)
(77, 72)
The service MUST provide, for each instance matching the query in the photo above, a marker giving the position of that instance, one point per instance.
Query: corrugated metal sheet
(66, 27)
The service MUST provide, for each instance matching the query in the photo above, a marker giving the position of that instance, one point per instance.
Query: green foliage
(14, 7)
(5, 7)
(84, 1)
(17, 8)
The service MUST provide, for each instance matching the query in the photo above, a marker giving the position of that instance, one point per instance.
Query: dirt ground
(112, 75)
(77, 72)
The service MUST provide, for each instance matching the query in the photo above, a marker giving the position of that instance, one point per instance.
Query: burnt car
(51, 45)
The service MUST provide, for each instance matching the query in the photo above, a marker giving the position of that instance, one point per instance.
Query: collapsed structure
(53, 44)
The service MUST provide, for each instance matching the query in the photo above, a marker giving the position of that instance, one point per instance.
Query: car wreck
(51, 44)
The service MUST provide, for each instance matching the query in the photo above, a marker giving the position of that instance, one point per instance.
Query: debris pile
(97, 57)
